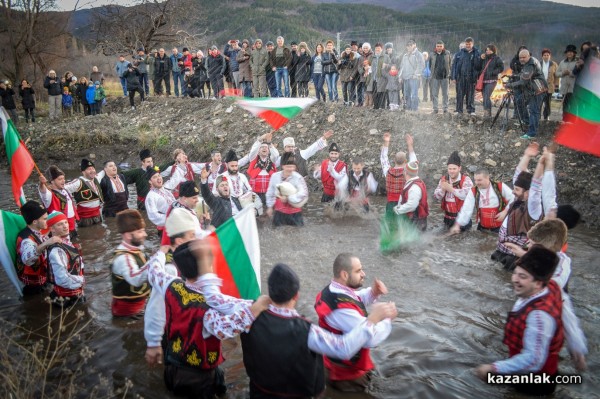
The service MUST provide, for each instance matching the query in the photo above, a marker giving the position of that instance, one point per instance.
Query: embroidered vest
(517, 322)
(450, 208)
(121, 289)
(487, 216)
(394, 183)
(361, 363)
(327, 179)
(186, 347)
(258, 182)
(36, 273)
(422, 210)
(74, 262)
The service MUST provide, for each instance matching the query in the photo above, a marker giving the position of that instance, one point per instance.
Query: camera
(510, 81)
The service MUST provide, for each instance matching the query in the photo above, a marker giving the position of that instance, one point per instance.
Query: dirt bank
(199, 126)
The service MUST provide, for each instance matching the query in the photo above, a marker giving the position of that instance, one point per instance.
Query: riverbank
(199, 126)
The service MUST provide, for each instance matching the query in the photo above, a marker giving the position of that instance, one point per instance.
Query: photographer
(132, 77)
(534, 88)
(8, 102)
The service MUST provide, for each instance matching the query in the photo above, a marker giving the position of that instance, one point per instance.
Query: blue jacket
(121, 67)
(464, 65)
(174, 64)
(90, 95)
(234, 65)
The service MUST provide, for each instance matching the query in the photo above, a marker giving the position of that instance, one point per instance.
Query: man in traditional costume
(280, 333)
(56, 198)
(31, 246)
(260, 165)
(238, 182)
(331, 172)
(287, 194)
(341, 306)
(359, 183)
(198, 317)
(137, 176)
(128, 270)
(413, 199)
(452, 190)
(490, 199)
(65, 263)
(394, 176)
(87, 194)
(535, 330)
(525, 210)
(114, 190)
(158, 200)
(182, 170)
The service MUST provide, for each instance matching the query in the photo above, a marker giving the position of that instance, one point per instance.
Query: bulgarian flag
(236, 252)
(20, 160)
(10, 226)
(581, 130)
(276, 111)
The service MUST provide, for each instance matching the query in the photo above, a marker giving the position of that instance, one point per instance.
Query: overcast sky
(69, 4)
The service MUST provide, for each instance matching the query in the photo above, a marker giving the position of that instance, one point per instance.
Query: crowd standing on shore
(379, 77)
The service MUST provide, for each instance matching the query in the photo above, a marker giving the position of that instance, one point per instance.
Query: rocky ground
(199, 126)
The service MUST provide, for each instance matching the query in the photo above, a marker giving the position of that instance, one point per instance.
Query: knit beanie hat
(32, 210)
(130, 220)
(413, 166)
(180, 221)
(54, 218)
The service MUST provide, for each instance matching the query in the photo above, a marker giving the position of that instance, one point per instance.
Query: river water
(452, 303)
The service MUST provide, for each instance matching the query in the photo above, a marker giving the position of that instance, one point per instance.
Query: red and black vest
(361, 363)
(260, 183)
(127, 299)
(186, 347)
(85, 194)
(361, 183)
(189, 176)
(394, 183)
(516, 323)
(74, 263)
(36, 274)
(327, 179)
(422, 210)
(451, 209)
(278, 360)
(59, 204)
(486, 217)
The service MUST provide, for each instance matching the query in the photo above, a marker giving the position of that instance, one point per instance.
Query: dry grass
(50, 362)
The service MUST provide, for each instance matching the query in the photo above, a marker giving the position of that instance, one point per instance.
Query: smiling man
(114, 190)
(452, 191)
(534, 330)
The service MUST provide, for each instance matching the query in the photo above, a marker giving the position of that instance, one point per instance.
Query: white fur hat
(289, 141)
(180, 221)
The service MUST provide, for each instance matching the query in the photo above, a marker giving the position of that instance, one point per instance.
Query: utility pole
(337, 47)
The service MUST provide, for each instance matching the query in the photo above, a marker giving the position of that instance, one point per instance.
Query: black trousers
(158, 84)
(132, 95)
(285, 219)
(194, 384)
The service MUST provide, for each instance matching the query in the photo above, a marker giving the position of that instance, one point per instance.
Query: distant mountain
(507, 23)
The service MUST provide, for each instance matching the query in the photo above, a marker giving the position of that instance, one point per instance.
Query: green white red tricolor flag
(20, 160)
(236, 252)
(581, 130)
(10, 226)
(275, 111)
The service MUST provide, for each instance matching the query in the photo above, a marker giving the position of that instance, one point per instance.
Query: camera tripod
(505, 105)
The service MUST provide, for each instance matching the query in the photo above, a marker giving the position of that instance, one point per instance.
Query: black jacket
(162, 66)
(303, 67)
(27, 97)
(221, 207)
(495, 67)
(133, 78)
(54, 89)
(8, 101)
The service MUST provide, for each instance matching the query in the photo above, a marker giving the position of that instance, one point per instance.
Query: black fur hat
(524, 180)
(540, 262)
(231, 156)
(454, 159)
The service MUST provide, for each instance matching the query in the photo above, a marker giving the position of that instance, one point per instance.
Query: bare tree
(120, 30)
(31, 35)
